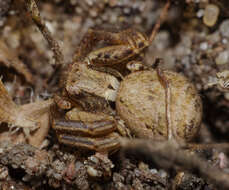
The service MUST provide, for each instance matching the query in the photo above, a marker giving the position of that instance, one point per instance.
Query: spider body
(146, 101)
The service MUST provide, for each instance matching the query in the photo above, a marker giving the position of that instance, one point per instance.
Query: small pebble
(204, 46)
(224, 28)
(200, 13)
(94, 159)
(211, 14)
(224, 41)
(78, 165)
(162, 173)
(92, 172)
(153, 171)
(222, 58)
(126, 10)
(57, 176)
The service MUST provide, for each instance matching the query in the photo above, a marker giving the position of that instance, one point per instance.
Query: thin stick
(167, 155)
(218, 146)
(161, 19)
(32, 7)
(165, 83)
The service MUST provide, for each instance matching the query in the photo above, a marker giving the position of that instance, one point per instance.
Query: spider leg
(99, 144)
(96, 135)
(95, 128)
(122, 46)
(92, 37)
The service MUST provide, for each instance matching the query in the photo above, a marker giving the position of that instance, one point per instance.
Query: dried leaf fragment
(32, 118)
(38, 111)
(12, 114)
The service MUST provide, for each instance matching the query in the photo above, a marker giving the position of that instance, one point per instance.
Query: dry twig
(167, 155)
(32, 7)
(161, 19)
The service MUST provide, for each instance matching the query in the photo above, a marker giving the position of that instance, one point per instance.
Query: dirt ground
(193, 40)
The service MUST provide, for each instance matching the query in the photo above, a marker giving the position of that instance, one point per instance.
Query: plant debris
(32, 118)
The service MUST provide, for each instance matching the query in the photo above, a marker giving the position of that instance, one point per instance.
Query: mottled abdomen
(141, 104)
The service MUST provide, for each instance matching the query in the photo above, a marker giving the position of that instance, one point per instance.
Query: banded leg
(130, 45)
(95, 135)
(124, 45)
(96, 128)
(92, 37)
(107, 143)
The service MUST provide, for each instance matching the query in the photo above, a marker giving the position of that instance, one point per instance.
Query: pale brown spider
(96, 131)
